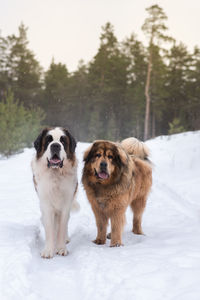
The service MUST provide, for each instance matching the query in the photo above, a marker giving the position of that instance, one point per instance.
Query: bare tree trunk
(148, 99)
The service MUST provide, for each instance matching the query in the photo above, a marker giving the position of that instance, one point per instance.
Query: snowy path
(163, 264)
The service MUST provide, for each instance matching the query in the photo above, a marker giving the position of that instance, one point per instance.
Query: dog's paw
(99, 242)
(47, 253)
(62, 251)
(116, 245)
(137, 231)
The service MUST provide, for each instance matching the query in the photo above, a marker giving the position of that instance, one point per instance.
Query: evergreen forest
(127, 89)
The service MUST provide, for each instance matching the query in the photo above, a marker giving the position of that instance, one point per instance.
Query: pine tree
(133, 110)
(23, 69)
(4, 80)
(179, 70)
(18, 125)
(192, 108)
(159, 92)
(78, 100)
(155, 29)
(108, 80)
(175, 126)
(56, 82)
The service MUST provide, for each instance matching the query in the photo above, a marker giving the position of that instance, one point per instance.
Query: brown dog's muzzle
(103, 172)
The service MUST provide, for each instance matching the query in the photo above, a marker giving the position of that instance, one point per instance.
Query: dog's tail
(134, 147)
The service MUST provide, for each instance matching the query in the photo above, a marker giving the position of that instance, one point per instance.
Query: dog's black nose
(55, 147)
(103, 164)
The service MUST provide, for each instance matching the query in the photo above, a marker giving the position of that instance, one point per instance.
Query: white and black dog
(55, 178)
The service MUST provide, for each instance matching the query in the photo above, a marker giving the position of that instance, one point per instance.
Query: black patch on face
(117, 159)
(63, 140)
(90, 155)
(48, 140)
(38, 144)
(71, 145)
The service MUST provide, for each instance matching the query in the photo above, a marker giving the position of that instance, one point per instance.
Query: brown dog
(115, 176)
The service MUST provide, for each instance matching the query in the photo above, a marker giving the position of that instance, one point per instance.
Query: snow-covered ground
(163, 264)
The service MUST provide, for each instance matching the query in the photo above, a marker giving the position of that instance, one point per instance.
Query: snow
(162, 264)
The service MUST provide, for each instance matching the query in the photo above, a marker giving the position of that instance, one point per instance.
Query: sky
(69, 30)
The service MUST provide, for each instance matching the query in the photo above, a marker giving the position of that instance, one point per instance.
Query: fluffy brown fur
(115, 176)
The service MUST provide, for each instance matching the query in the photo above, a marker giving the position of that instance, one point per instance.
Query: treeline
(107, 98)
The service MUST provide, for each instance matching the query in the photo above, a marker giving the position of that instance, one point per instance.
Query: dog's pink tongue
(103, 175)
(55, 161)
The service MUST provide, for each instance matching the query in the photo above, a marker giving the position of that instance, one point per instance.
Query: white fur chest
(55, 187)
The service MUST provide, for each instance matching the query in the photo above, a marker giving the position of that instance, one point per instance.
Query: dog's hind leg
(138, 206)
(67, 239)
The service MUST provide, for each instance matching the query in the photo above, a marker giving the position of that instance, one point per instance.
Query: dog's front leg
(101, 222)
(62, 231)
(117, 224)
(48, 219)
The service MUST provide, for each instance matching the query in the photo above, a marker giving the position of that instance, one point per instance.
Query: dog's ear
(38, 141)
(87, 154)
(72, 142)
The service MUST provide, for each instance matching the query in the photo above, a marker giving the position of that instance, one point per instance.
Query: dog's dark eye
(62, 140)
(110, 156)
(98, 155)
(48, 140)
